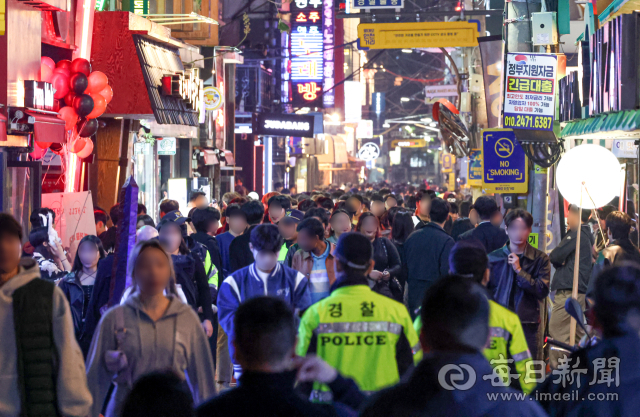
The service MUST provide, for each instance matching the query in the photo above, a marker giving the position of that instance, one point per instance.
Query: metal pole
(576, 271)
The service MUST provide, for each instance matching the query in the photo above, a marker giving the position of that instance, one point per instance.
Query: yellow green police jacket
(359, 332)
(507, 345)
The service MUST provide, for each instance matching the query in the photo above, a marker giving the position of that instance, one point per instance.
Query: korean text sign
(530, 91)
(307, 52)
(504, 162)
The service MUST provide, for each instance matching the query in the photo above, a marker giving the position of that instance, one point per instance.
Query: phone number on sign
(531, 122)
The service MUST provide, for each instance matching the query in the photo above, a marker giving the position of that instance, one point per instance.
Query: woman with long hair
(402, 228)
(383, 278)
(152, 331)
(340, 222)
(190, 273)
(78, 286)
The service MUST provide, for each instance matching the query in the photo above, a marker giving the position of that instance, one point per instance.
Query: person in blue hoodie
(265, 276)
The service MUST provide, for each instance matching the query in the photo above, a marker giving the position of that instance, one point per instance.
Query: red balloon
(45, 73)
(99, 106)
(107, 93)
(97, 82)
(68, 99)
(37, 152)
(43, 145)
(64, 71)
(87, 149)
(56, 148)
(69, 116)
(81, 65)
(78, 145)
(65, 63)
(61, 84)
(48, 62)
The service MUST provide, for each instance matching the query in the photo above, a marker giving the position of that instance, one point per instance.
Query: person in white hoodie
(150, 332)
(42, 366)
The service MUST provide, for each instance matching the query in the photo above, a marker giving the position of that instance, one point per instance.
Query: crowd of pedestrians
(374, 301)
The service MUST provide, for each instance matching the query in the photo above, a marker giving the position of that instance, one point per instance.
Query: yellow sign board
(417, 35)
(408, 143)
(448, 162)
(533, 240)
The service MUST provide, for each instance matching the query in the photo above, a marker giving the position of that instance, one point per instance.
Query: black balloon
(78, 83)
(87, 127)
(83, 104)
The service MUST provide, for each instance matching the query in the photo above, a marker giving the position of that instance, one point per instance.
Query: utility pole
(520, 39)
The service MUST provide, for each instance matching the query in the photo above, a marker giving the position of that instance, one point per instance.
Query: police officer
(364, 335)
(507, 346)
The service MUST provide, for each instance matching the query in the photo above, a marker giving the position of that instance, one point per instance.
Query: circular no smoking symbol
(369, 151)
(504, 147)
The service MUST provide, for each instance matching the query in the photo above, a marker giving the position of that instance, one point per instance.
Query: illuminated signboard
(307, 58)
(328, 97)
(417, 35)
(186, 85)
(139, 6)
(266, 124)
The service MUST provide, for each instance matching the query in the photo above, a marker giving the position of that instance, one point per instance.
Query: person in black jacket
(400, 232)
(489, 235)
(78, 287)
(463, 223)
(265, 339)
(207, 222)
(427, 255)
(189, 269)
(606, 372)
(619, 248)
(453, 379)
(520, 279)
(563, 258)
(239, 253)
(385, 255)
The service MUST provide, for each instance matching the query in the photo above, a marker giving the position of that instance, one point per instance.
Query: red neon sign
(301, 18)
(309, 90)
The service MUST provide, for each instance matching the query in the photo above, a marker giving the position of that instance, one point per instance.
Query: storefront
(152, 121)
(28, 109)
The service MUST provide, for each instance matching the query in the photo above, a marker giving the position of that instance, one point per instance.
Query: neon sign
(188, 86)
(328, 97)
(307, 46)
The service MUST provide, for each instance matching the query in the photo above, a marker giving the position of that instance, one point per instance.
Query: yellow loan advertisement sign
(417, 35)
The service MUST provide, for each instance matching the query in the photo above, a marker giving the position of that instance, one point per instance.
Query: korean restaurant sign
(269, 124)
(139, 6)
(530, 91)
(307, 52)
(417, 35)
(328, 31)
(186, 85)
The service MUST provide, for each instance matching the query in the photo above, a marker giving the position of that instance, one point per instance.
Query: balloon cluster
(83, 96)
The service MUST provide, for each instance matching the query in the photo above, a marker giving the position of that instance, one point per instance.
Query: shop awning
(47, 128)
(618, 125)
(135, 53)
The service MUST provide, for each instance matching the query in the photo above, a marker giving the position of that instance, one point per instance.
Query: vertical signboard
(328, 30)
(530, 91)
(491, 54)
(307, 45)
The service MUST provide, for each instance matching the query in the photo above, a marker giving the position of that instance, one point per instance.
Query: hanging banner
(530, 91)
(504, 162)
(417, 35)
(74, 217)
(491, 54)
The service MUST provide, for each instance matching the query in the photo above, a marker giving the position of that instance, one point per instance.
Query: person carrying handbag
(150, 332)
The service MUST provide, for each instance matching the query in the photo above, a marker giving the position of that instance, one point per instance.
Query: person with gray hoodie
(42, 365)
(152, 331)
